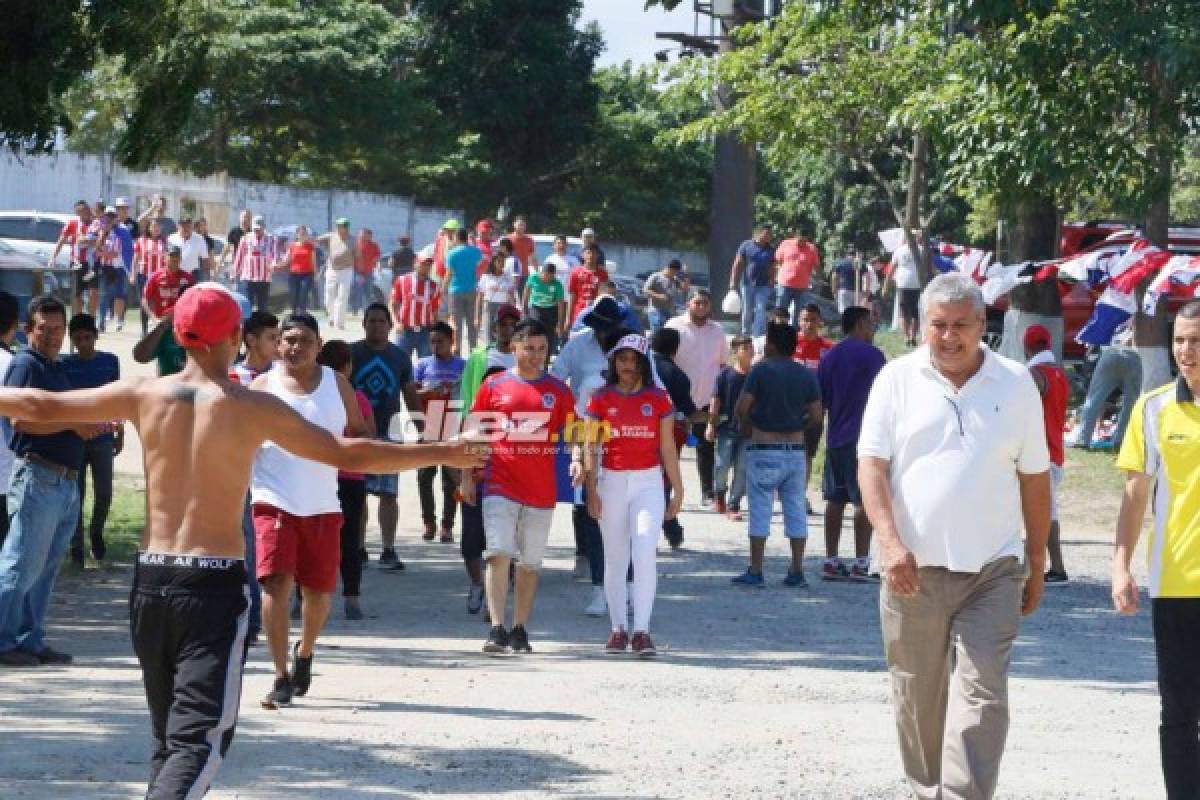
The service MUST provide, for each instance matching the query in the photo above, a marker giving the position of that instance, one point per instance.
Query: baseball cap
(605, 313)
(110, 210)
(122, 201)
(343, 221)
(630, 341)
(587, 232)
(450, 225)
(206, 314)
(259, 222)
(507, 310)
(1037, 336)
(174, 250)
(426, 253)
(675, 263)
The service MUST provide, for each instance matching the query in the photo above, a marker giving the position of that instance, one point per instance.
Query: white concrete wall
(51, 182)
(281, 205)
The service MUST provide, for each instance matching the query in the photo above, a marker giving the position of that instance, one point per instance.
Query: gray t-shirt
(673, 288)
(782, 390)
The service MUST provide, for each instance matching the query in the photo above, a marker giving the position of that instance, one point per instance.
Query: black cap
(604, 314)
(174, 250)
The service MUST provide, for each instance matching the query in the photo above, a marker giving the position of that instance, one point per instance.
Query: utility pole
(731, 205)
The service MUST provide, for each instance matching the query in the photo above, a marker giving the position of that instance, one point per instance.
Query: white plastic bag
(732, 304)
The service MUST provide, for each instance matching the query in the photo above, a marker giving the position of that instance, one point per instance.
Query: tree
(815, 82)
(627, 180)
(45, 47)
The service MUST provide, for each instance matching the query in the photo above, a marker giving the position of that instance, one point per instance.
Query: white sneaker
(598, 607)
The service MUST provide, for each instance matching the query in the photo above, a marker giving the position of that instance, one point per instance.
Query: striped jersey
(256, 253)
(151, 255)
(416, 300)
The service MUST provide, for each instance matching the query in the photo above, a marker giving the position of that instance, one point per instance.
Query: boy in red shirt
(811, 347)
(1055, 389)
(522, 410)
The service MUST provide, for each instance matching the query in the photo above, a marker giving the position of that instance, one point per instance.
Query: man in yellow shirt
(1161, 454)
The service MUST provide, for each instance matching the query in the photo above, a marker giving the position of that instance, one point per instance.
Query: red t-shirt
(582, 285)
(633, 441)
(532, 414)
(163, 289)
(1054, 408)
(368, 257)
(523, 247)
(809, 352)
(302, 258)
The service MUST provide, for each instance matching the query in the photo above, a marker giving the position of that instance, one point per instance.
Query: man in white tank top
(297, 516)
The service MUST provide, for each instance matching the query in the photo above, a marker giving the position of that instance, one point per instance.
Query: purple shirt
(846, 374)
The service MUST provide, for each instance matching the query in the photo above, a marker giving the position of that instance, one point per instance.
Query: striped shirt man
(415, 298)
(108, 251)
(150, 255)
(257, 253)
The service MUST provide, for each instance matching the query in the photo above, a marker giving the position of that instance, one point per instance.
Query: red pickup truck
(1079, 302)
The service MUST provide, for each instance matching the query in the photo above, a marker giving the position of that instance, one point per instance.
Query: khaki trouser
(948, 650)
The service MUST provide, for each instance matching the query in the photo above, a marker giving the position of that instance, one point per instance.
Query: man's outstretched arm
(280, 424)
(112, 401)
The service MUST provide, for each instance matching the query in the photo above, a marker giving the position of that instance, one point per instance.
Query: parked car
(1080, 300)
(26, 277)
(34, 233)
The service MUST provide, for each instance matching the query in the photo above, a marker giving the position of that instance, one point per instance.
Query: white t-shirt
(6, 456)
(562, 264)
(904, 269)
(194, 249)
(496, 288)
(955, 455)
(512, 266)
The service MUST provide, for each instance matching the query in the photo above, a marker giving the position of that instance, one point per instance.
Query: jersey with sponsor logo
(633, 425)
(163, 290)
(531, 415)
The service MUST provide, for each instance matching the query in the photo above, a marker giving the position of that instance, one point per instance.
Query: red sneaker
(617, 642)
(721, 507)
(643, 646)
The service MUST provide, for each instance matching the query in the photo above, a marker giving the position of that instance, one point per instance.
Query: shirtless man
(200, 433)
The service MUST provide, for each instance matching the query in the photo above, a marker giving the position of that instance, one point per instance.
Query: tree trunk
(732, 199)
(912, 208)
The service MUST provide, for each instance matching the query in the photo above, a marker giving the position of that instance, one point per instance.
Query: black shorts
(188, 616)
(909, 300)
(839, 484)
(92, 283)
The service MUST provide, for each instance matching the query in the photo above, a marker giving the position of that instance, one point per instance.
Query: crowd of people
(512, 391)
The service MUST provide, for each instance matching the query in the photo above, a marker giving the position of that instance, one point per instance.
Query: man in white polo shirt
(952, 457)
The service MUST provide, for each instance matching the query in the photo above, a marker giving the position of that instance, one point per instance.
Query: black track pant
(188, 616)
(425, 478)
(353, 496)
(473, 541)
(1177, 645)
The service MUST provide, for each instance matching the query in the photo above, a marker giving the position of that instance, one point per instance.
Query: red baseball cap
(1037, 337)
(205, 314)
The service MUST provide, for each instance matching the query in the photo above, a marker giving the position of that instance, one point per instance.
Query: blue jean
(299, 288)
(98, 455)
(769, 472)
(255, 624)
(257, 292)
(793, 299)
(754, 308)
(1118, 368)
(360, 292)
(413, 339)
(43, 508)
(731, 455)
(113, 288)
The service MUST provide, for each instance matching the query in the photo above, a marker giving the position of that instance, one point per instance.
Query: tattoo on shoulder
(189, 394)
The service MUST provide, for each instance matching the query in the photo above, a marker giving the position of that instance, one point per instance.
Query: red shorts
(307, 548)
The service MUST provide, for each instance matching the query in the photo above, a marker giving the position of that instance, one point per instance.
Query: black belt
(776, 446)
(57, 469)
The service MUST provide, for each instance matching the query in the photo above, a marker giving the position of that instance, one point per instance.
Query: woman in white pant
(632, 437)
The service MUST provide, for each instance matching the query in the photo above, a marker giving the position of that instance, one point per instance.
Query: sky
(629, 30)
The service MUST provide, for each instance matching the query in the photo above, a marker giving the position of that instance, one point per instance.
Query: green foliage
(624, 179)
(49, 45)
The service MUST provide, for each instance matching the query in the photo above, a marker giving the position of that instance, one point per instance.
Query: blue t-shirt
(102, 369)
(845, 375)
(29, 369)
(729, 389)
(782, 390)
(759, 259)
(463, 264)
(125, 240)
(432, 370)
